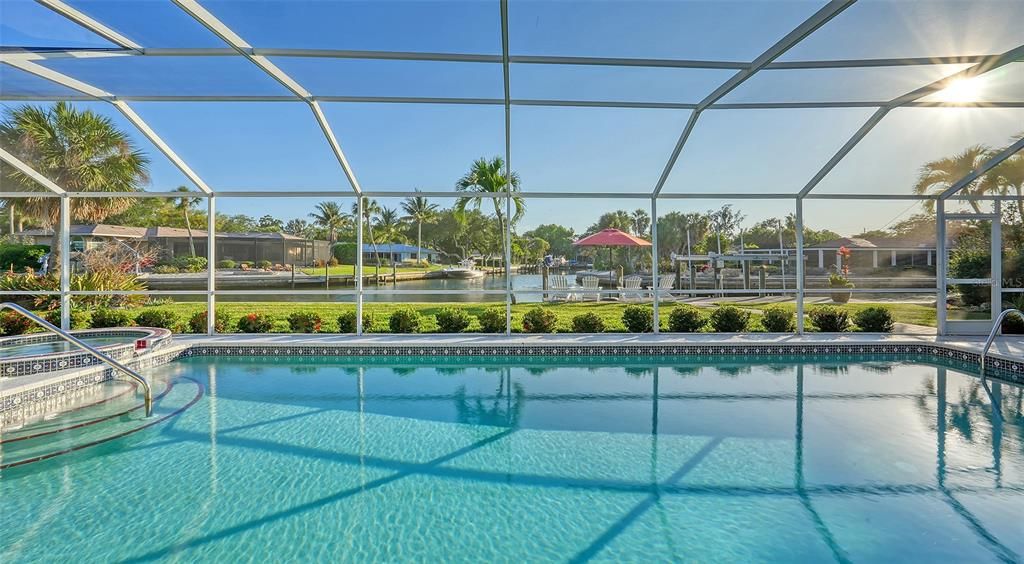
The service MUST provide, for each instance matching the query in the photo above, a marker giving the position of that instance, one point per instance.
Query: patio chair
(664, 289)
(630, 289)
(559, 288)
(591, 289)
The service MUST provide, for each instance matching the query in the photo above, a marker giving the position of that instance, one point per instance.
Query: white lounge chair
(591, 289)
(630, 289)
(664, 289)
(559, 290)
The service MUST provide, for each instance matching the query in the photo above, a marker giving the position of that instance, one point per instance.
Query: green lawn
(611, 313)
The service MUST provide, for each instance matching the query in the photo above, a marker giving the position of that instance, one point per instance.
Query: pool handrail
(146, 388)
(992, 335)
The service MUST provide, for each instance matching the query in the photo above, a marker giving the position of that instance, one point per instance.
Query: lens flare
(961, 91)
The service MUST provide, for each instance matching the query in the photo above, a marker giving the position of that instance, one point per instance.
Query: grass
(349, 270)
(914, 314)
(610, 313)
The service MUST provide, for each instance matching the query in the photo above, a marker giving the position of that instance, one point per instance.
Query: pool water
(59, 346)
(539, 460)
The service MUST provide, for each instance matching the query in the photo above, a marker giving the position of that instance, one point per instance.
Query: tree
(559, 238)
(329, 216)
(641, 223)
(418, 209)
(618, 219)
(939, 175)
(725, 222)
(1008, 176)
(270, 224)
(370, 210)
(298, 227)
(79, 151)
(184, 204)
(389, 225)
(486, 179)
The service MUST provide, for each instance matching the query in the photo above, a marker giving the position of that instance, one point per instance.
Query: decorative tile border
(52, 362)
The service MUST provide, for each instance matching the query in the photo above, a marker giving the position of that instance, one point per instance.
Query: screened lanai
(794, 153)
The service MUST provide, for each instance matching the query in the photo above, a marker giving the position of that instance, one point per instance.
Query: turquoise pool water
(57, 346)
(538, 460)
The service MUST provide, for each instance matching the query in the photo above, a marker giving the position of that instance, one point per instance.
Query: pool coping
(1007, 354)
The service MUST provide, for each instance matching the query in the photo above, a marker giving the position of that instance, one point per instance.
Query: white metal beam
(212, 23)
(31, 173)
(92, 25)
(980, 68)
(993, 162)
(818, 19)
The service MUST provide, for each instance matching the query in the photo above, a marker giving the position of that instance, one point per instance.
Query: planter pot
(841, 297)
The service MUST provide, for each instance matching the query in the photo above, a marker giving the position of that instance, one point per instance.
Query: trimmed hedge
(830, 319)
(163, 318)
(106, 317)
(492, 320)
(255, 323)
(778, 319)
(685, 318)
(453, 320)
(874, 319)
(588, 323)
(405, 320)
(729, 319)
(638, 318)
(347, 322)
(539, 320)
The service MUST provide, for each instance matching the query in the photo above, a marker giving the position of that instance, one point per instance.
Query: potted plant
(840, 279)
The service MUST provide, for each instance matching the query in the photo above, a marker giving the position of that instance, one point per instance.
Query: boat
(466, 270)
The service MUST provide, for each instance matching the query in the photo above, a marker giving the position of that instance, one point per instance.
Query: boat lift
(717, 261)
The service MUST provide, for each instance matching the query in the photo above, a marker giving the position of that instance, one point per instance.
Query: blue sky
(278, 146)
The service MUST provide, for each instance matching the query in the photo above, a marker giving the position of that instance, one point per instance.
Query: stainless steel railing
(147, 390)
(992, 335)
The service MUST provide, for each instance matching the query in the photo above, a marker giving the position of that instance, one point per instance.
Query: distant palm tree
(389, 225)
(938, 175)
(1009, 176)
(370, 210)
(486, 180)
(80, 151)
(419, 209)
(184, 204)
(641, 221)
(329, 216)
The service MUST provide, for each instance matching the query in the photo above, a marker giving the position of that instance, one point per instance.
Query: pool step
(94, 424)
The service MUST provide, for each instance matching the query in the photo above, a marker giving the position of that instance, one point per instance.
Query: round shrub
(539, 320)
(729, 319)
(163, 318)
(197, 323)
(13, 323)
(264, 264)
(304, 322)
(830, 319)
(492, 320)
(453, 320)
(165, 269)
(588, 323)
(347, 321)
(685, 318)
(226, 263)
(638, 318)
(1013, 325)
(405, 320)
(80, 318)
(778, 319)
(332, 262)
(874, 319)
(190, 264)
(255, 323)
(106, 317)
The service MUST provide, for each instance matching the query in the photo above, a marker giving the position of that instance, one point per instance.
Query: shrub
(729, 319)
(332, 262)
(778, 319)
(19, 257)
(539, 320)
(685, 318)
(305, 322)
(255, 323)
(106, 317)
(344, 252)
(13, 323)
(1013, 324)
(190, 264)
(588, 323)
(165, 269)
(347, 321)
(969, 262)
(453, 320)
(875, 319)
(197, 323)
(226, 263)
(405, 320)
(163, 318)
(492, 320)
(80, 318)
(830, 319)
(638, 318)
(264, 264)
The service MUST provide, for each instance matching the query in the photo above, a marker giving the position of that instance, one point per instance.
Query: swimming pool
(535, 459)
(58, 346)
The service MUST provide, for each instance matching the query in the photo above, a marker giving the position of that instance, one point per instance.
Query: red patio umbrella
(611, 238)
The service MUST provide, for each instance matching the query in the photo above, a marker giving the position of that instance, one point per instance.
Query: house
(394, 253)
(866, 254)
(171, 242)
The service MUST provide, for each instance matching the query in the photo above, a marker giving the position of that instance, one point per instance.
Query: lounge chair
(630, 289)
(559, 290)
(664, 289)
(591, 289)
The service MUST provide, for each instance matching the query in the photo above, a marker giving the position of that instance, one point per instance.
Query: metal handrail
(146, 388)
(992, 335)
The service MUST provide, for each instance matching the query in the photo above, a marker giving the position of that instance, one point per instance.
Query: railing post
(358, 267)
(211, 264)
(654, 262)
(799, 266)
(65, 262)
(940, 265)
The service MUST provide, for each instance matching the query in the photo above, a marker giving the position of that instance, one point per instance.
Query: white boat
(465, 270)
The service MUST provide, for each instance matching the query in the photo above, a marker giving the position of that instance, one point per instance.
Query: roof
(396, 248)
(612, 238)
(848, 242)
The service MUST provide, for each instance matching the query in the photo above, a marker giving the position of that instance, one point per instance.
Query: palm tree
(370, 210)
(389, 225)
(329, 216)
(641, 221)
(1009, 175)
(79, 151)
(419, 209)
(486, 179)
(938, 175)
(184, 204)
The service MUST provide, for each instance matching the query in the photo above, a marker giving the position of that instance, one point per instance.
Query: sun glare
(960, 91)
